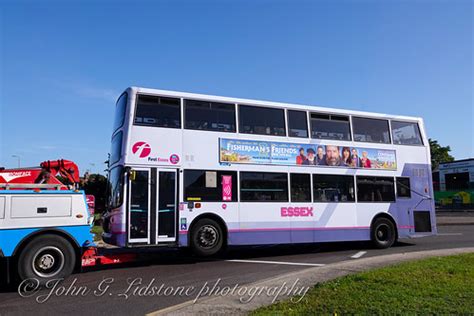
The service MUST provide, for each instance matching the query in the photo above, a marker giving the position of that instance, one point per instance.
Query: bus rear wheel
(383, 233)
(207, 238)
(46, 258)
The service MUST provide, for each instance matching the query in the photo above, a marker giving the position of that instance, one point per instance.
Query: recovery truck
(45, 224)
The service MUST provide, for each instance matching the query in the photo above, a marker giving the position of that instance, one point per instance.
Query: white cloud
(46, 147)
(108, 95)
(88, 91)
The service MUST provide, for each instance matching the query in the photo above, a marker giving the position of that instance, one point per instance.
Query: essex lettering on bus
(296, 211)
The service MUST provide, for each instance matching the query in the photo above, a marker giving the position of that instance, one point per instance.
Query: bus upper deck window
(297, 124)
(406, 133)
(158, 111)
(370, 130)
(329, 126)
(261, 120)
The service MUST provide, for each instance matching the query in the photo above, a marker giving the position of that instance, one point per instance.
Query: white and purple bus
(202, 171)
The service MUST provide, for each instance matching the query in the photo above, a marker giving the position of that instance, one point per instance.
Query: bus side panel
(328, 222)
(262, 223)
(404, 209)
(366, 211)
(274, 236)
(421, 200)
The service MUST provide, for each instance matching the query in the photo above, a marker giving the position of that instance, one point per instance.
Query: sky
(64, 63)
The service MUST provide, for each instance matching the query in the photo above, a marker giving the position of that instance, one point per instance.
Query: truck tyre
(207, 237)
(383, 233)
(45, 258)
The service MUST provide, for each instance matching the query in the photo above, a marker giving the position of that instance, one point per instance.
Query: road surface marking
(359, 254)
(170, 309)
(278, 262)
(450, 234)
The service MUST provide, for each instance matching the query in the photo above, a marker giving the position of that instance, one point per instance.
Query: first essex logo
(142, 149)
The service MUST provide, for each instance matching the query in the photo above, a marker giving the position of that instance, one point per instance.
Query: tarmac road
(178, 277)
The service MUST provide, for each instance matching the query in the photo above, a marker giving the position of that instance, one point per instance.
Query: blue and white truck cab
(43, 233)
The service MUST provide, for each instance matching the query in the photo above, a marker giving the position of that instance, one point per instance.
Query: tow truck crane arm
(45, 174)
(65, 168)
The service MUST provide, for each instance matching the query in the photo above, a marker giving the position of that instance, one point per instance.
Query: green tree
(439, 154)
(96, 185)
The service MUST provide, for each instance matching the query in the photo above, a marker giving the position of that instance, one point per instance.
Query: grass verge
(440, 285)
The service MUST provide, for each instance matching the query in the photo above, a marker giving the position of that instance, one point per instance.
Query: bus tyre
(207, 238)
(46, 258)
(383, 233)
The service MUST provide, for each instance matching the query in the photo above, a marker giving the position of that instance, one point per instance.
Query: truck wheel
(45, 258)
(207, 238)
(383, 233)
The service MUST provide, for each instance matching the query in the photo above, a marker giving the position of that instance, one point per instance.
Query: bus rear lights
(197, 205)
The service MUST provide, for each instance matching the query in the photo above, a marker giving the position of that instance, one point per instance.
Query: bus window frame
(370, 176)
(208, 130)
(121, 183)
(121, 133)
(235, 185)
(265, 201)
(315, 175)
(239, 116)
(124, 111)
(397, 196)
(422, 142)
(389, 129)
(330, 114)
(291, 187)
(288, 123)
(159, 96)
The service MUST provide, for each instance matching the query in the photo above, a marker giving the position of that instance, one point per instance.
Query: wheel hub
(208, 236)
(46, 262)
(382, 233)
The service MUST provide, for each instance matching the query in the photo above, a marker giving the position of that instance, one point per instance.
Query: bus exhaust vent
(422, 221)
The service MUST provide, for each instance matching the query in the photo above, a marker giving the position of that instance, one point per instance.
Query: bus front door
(165, 217)
(152, 216)
(139, 206)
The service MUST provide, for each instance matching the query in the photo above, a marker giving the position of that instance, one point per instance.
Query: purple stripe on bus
(288, 236)
(308, 228)
(296, 228)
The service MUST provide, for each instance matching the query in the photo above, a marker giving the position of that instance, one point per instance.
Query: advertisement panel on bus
(278, 153)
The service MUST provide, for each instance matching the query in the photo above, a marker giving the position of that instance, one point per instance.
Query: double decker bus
(202, 171)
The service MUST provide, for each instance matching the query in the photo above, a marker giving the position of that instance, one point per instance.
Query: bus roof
(316, 108)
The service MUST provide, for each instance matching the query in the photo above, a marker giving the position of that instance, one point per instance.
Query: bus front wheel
(207, 238)
(383, 233)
